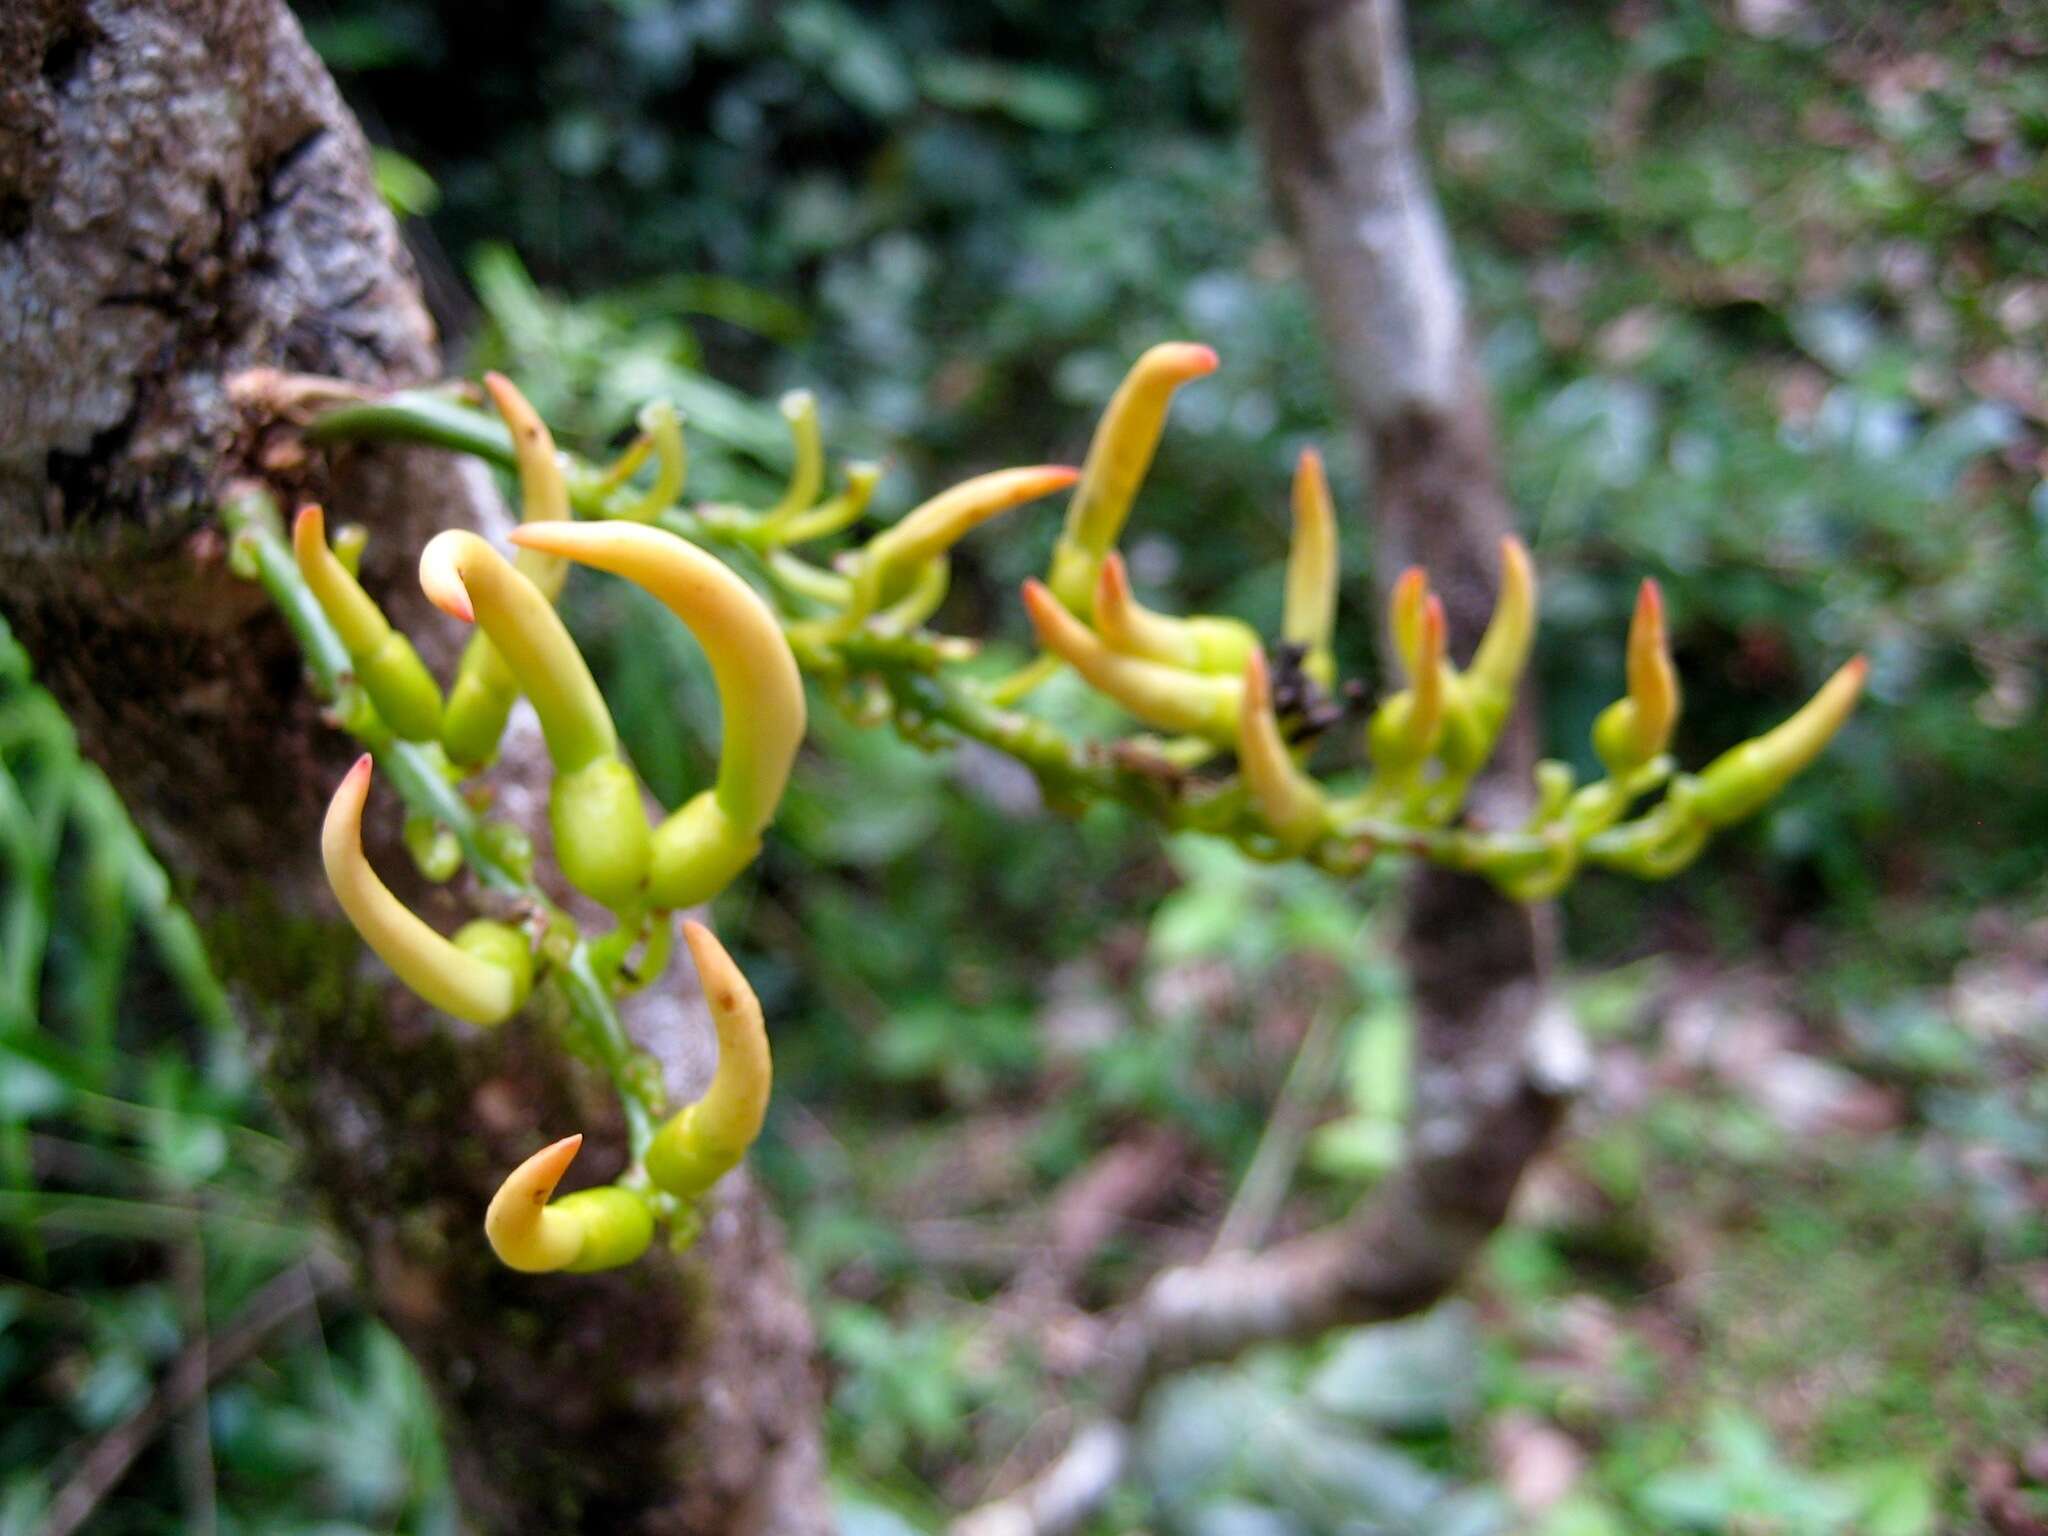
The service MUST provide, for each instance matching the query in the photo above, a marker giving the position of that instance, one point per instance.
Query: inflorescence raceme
(1210, 686)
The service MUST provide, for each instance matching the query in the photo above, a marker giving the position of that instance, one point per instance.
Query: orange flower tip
(1257, 685)
(1054, 477)
(1310, 461)
(540, 1173)
(1411, 584)
(1188, 359)
(1112, 582)
(1650, 602)
(310, 525)
(1434, 626)
(1857, 667)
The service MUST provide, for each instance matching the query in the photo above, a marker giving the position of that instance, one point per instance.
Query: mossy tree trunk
(184, 197)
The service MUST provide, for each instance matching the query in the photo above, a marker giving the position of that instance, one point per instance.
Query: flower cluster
(1233, 724)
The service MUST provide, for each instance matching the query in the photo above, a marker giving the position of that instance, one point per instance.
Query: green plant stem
(928, 700)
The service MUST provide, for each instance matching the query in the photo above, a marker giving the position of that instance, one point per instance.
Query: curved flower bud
(480, 699)
(1118, 457)
(700, 1144)
(1165, 697)
(799, 409)
(466, 578)
(663, 425)
(1504, 648)
(543, 488)
(390, 670)
(1309, 616)
(479, 977)
(893, 556)
(1741, 780)
(1404, 618)
(1405, 730)
(1203, 643)
(1635, 729)
(592, 1229)
(842, 511)
(602, 841)
(698, 850)
(1290, 801)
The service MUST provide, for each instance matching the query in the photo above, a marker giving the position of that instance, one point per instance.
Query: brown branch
(1333, 96)
(199, 1365)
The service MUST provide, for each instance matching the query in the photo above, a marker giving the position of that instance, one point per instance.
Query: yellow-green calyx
(1168, 698)
(1309, 617)
(592, 1229)
(483, 975)
(406, 696)
(703, 1142)
(697, 851)
(1200, 644)
(1118, 457)
(602, 840)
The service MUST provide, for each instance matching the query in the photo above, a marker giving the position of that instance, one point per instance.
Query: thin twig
(1266, 1181)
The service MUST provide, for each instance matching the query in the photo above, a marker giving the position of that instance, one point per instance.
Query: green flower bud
(402, 688)
(697, 853)
(503, 946)
(602, 841)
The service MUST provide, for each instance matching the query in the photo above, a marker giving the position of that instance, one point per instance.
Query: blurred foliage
(1760, 291)
(144, 1202)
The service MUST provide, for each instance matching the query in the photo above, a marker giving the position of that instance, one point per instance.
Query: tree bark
(184, 196)
(1333, 99)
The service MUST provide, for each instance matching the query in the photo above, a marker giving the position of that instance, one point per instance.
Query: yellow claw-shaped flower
(1118, 457)
(893, 557)
(602, 840)
(1290, 801)
(590, 1230)
(467, 579)
(543, 488)
(700, 1144)
(1504, 649)
(1404, 618)
(1165, 697)
(1309, 615)
(483, 975)
(1634, 729)
(1406, 729)
(698, 850)
(1202, 643)
(485, 688)
(1741, 780)
(390, 670)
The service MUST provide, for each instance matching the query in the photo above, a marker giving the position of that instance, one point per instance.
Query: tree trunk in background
(1332, 96)
(183, 195)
